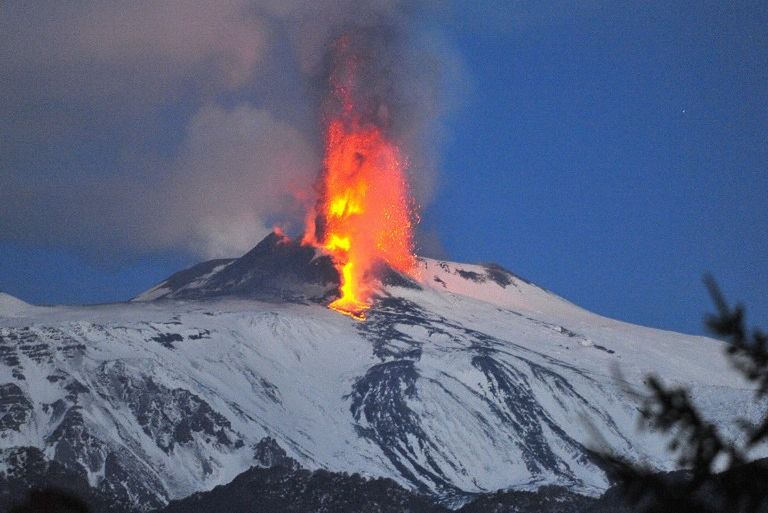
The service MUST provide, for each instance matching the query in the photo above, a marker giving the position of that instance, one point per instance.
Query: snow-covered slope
(470, 380)
(12, 306)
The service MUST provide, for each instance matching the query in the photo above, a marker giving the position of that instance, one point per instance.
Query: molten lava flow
(363, 218)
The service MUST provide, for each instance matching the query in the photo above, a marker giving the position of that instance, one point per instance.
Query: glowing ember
(363, 217)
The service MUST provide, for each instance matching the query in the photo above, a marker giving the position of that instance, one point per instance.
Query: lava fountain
(364, 216)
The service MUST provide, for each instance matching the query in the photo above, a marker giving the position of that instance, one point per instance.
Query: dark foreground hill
(281, 485)
(286, 488)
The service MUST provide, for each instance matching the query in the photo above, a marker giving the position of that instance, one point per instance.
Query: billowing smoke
(127, 128)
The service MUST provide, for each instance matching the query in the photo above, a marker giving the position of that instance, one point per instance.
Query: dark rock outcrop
(278, 268)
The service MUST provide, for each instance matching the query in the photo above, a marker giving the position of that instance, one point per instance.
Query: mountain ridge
(465, 381)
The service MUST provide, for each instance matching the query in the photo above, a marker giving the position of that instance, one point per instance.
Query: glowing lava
(363, 218)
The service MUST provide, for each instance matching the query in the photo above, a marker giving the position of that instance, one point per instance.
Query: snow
(153, 293)
(162, 289)
(12, 306)
(294, 372)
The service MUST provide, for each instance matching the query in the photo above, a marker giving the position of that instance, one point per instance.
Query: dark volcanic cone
(278, 268)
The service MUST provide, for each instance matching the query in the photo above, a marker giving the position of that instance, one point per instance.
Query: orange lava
(364, 217)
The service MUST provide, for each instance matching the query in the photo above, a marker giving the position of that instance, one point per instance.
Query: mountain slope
(466, 381)
(12, 306)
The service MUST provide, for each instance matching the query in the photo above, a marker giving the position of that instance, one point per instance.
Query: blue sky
(611, 153)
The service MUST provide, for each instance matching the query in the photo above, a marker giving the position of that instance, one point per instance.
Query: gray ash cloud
(132, 128)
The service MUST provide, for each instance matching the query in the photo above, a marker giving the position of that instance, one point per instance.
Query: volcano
(462, 381)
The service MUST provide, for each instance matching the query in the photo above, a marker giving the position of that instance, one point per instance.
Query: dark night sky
(611, 153)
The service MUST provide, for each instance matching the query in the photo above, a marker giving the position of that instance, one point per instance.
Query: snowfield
(11, 306)
(472, 380)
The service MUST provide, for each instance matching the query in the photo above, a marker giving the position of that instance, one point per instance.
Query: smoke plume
(128, 128)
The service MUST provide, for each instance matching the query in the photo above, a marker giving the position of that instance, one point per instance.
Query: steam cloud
(127, 128)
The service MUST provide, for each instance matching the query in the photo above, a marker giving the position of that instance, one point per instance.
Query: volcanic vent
(359, 225)
(364, 216)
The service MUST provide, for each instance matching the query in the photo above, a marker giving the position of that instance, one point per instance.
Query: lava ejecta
(364, 217)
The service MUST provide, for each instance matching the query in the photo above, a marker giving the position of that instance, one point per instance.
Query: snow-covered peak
(490, 283)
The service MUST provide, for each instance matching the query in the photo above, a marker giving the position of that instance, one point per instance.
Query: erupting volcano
(364, 217)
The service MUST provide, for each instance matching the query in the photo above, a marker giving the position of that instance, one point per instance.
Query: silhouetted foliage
(717, 477)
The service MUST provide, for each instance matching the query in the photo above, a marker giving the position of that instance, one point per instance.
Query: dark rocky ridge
(282, 489)
(286, 488)
(278, 268)
(279, 485)
(15, 408)
(29, 470)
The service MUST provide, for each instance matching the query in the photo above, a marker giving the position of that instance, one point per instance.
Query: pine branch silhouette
(718, 477)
